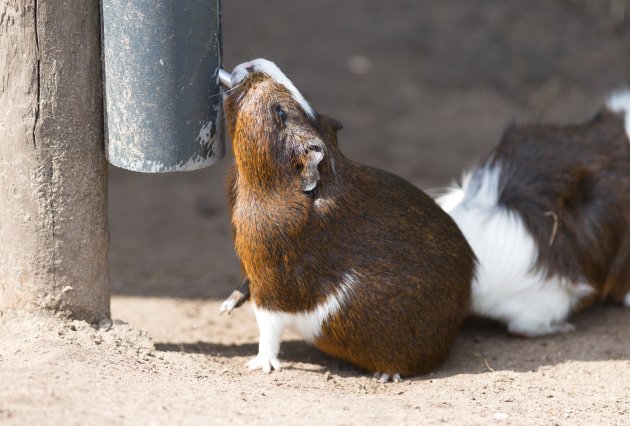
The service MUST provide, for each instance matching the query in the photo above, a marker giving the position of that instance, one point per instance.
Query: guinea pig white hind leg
(523, 328)
(271, 326)
(542, 308)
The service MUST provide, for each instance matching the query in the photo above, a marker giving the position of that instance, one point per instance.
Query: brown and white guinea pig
(548, 216)
(358, 261)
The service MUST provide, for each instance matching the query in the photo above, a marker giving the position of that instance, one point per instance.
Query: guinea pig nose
(249, 68)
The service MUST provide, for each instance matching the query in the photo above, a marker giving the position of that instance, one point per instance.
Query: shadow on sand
(481, 346)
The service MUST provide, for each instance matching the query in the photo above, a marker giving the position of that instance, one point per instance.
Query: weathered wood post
(53, 193)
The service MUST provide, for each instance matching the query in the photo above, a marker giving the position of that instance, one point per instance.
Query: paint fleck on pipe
(204, 133)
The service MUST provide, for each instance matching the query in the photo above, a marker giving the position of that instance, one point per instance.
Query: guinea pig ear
(310, 161)
(336, 124)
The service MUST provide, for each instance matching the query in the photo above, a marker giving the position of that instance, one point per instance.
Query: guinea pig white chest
(308, 324)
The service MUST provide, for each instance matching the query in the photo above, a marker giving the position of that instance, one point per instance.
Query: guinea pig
(359, 262)
(548, 216)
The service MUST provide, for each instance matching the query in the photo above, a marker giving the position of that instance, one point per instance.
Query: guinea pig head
(277, 137)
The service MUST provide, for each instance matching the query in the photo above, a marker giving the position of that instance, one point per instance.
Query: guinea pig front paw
(384, 377)
(264, 363)
(235, 300)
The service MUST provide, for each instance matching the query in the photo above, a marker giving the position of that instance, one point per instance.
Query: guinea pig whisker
(227, 91)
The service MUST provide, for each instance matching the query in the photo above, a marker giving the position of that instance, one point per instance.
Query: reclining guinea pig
(548, 216)
(358, 261)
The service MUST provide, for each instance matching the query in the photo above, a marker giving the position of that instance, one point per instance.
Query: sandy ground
(192, 372)
(424, 89)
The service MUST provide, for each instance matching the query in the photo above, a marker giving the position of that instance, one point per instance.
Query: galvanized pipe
(163, 112)
(225, 78)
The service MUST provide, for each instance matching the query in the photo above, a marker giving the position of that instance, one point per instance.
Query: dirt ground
(424, 89)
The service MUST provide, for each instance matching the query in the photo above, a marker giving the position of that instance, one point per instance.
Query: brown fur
(412, 264)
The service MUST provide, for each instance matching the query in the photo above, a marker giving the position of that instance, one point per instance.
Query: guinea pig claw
(226, 306)
(384, 377)
(263, 363)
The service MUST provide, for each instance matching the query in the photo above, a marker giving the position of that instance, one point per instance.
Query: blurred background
(423, 88)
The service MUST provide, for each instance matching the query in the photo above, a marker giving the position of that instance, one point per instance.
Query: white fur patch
(627, 300)
(271, 324)
(452, 198)
(619, 102)
(269, 68)
(507, 288)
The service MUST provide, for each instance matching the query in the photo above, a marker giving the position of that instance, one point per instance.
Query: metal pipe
(225, 78)
(163, 109)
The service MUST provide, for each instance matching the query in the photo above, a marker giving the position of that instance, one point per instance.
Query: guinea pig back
(548, 216)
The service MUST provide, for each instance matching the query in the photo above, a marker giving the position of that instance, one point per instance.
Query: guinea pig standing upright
(548, 216)
(358, 261)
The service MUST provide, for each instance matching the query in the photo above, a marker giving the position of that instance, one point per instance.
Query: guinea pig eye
(281, 114)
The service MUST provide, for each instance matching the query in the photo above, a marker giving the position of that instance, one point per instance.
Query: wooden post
(53, 181)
